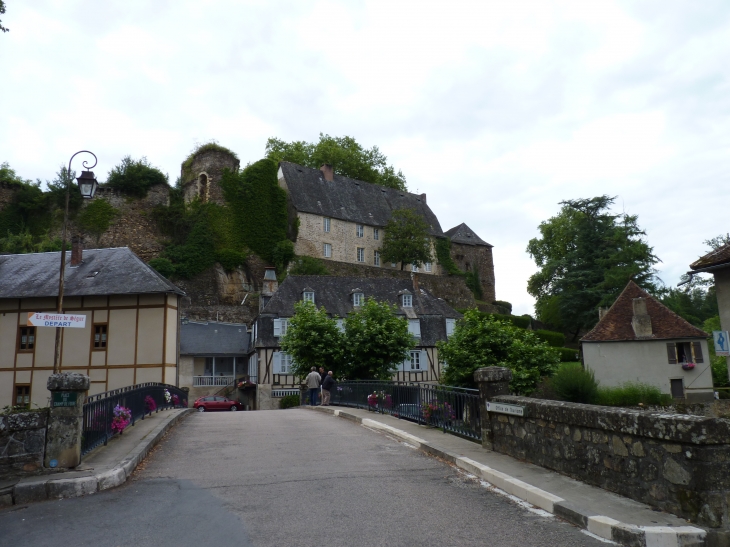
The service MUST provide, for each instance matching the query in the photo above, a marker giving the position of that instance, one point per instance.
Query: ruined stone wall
(202, 178)
(678, 463)
(22, 443)
(467, 257)
(6, 194)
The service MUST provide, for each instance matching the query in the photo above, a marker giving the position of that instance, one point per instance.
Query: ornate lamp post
(87, 185)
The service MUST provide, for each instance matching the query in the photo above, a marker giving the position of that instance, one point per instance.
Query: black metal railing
(452, 409)
(140, 399)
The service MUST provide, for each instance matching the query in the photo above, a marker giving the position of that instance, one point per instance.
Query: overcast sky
(497, 110)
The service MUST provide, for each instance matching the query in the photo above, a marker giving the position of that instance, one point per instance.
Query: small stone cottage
(638, 339)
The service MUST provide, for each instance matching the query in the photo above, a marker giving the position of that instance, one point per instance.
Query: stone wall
(22, 443)
(7, 192)
(468, 257)
(678, 463)
(201, 179)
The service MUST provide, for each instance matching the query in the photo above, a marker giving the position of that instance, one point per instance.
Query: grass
(632, 394)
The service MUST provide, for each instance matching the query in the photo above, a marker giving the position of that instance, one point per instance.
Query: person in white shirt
(313, 380)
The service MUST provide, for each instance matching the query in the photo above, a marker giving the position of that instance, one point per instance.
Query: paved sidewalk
(602, 513)
(105, 467)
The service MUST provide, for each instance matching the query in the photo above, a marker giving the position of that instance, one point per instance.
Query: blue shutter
(277, 362)
(277, 327)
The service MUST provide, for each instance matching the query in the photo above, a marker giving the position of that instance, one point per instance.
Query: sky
(496, 110)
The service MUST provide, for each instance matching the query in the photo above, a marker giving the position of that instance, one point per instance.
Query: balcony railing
(212, 381)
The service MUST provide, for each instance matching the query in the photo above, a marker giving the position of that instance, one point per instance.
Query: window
(415, 360)
(27, 339)
(684, 352)
(414, 327)
(376, 234)
(326, 224)
(358, 298)
(450, 326)
(22, 396)
(308, 296)
(282, 363)
(414, 268)
(376, 258)
(392, 264)
(407, 300)
(327, 250)
(360, 254)
(341, 325)
(280, 327)
(360, 231)
(427, 266)
(99, 336)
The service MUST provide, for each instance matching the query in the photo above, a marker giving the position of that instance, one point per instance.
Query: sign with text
(722, 345)
(50, 319)
(502, 408)
(63, 399)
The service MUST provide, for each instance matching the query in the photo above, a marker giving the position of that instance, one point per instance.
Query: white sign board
(722, 344)
(51, 319)
(502, 408)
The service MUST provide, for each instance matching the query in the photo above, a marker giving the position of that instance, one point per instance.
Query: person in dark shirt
(327, 384)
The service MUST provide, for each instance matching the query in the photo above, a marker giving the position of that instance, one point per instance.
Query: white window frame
(427, 266)
(450, 326)
(341, 325)
(376, 234)
(392, 264)
(308, 296)
(415, 358)
(326, 224)
(376, 258)
(414, 327)
(361, 254)
(327, 250)
(280, 327)
(360, 231)
(414, 268)
(407, 300)
(283, 363)
(358, 299)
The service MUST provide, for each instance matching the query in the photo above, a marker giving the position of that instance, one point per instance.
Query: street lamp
(87, 185)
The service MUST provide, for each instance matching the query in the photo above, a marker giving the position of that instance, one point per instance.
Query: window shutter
(672, 354)
(414, 327)
(277, 362)
(697, 349)
(424, 360)
(277, 327)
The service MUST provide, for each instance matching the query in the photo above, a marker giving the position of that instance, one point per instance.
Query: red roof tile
(616, 323)
(713, 258)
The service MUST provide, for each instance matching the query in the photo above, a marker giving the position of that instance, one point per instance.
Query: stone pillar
(66, 420)
(492, 381)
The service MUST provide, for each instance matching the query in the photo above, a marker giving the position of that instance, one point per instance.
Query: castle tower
(472, 254)
(202, 171)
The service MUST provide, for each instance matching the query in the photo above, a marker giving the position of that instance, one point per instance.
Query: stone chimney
(414, 278)
(423, 198)
(77, 251)
(270, 286)
(602, 312)
(641, 321)
(328, 171)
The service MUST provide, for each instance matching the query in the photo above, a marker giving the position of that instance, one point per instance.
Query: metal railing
(99, 409)
(212, 381)
(452, 409)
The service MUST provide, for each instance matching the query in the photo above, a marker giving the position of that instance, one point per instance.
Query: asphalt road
(287, 478)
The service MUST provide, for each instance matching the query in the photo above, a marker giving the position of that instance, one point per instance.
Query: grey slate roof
(213, 339)
(103, 271)
(334, 293)
(465, 235)
(350, 199)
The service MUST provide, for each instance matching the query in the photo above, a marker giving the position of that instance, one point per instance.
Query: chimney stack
(641, 321)
(601, 312)
(270, 286)
(423, 198)
(328, 171)
(414, 278)
(77, 251)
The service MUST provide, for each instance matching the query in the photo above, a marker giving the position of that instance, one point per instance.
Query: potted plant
(688, 366)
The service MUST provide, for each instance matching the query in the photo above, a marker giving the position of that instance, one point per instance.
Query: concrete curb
(604, 527)
(36, 489)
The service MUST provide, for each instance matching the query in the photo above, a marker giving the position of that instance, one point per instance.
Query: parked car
(216, 402)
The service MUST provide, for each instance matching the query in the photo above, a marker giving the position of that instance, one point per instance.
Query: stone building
(638, 339)
(430, 319)
(472, 254)
(131, 327)
(202, 171)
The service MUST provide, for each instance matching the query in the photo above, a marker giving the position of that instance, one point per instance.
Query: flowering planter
(688, 366)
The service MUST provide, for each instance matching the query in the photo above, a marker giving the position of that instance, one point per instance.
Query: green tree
(375, 342)
(2, 10)
(480, 340)
(585, 257)
(406, 239)
(135, 177)
(312, 339)
(96, 218)
(345, 154)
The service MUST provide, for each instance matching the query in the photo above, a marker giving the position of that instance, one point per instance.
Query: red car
(216, 402)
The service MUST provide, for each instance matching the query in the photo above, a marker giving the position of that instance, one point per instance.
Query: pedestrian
(313, 380)
(322, 376)
(327, 385)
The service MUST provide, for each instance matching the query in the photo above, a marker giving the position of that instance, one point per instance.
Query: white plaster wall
(722, 287)
(615, 363)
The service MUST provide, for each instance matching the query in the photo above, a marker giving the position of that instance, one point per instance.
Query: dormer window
(407, 300)
(358, 299)
(308, 296)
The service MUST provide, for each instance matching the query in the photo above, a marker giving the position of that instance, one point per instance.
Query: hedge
(555, 339)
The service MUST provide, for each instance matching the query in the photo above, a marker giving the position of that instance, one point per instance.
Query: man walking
(327, 386)
(313, 380)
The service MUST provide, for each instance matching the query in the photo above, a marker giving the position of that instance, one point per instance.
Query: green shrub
(231, 259)
(163, 266)
(631, 394)
(471, 279)
(135, 177)
(289, 401)
(567, 355)
(504, 307)
(554, 339)
(96, 218)
(199, 149)
(282, 254)
(575, 384)
(306, 265)
(443, 256)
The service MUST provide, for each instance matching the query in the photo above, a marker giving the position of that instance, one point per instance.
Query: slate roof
(103, 271)
(334, 294)
(213, 339)
(712, 259)
(465, 235)
(616, 323)
(349, 199)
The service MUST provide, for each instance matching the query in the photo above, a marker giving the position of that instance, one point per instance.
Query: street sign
(50, 319)
(63, 399)
(722, 344)
(502, 408)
